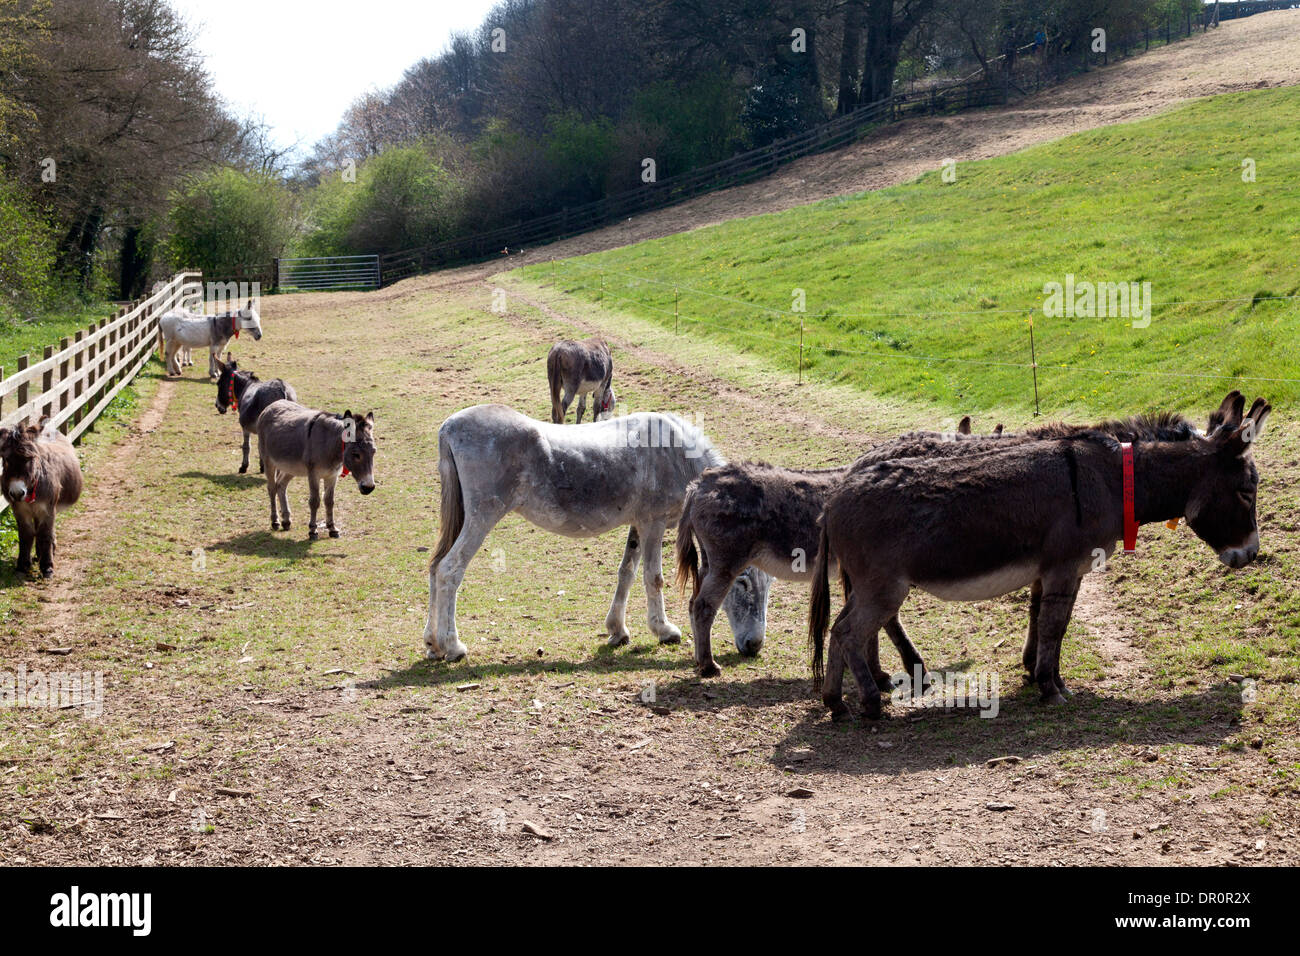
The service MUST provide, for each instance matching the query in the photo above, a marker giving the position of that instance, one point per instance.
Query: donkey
(249, 396)
(42, 476)
(1039, 512)
(754, 513)
(183, 329)
(298, 441)
(578, 482)
(579, 368)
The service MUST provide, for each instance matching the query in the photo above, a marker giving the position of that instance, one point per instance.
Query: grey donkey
(320, 446)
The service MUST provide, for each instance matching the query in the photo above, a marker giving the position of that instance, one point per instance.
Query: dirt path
(1253, 53)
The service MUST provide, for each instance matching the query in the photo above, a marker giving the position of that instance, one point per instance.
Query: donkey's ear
(1229, 409)
(347, 414)
(997, 432)
(370, 417)
(1258, 415)
(963, 426)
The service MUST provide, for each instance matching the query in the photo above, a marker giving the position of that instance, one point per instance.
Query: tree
(229, 218)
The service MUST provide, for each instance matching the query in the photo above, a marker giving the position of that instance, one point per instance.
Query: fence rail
(74, 384)
(322, 273)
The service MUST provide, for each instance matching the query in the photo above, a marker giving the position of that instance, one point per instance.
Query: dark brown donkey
(41, 477)
(248, 395)
(576, 368)
(1035, 513)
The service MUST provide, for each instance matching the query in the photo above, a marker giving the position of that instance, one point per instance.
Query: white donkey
(183, 330)
(578, 481)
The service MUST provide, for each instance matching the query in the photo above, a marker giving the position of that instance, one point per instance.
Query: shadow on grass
(277, 544)
(233, 482)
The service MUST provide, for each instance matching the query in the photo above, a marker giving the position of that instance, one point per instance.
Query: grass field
(923, 291)
(266, 699)
(19, 338)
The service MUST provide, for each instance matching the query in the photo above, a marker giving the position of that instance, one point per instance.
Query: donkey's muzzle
(366, 489)
(221, 408)
(1236, 558)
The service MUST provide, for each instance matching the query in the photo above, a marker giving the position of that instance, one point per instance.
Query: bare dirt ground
(1254, 53)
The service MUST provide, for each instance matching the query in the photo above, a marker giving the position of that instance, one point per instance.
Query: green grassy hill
(925, 290)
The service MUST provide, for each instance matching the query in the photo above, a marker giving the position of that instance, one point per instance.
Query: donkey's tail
(453, 503)
(819, 610)
(554, 375)
(688, 558)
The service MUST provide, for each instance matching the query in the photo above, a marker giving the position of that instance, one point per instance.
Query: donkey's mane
(1153, 426)
(695, 436)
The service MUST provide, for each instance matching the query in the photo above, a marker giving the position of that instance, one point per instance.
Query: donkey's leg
(445, 580)
(912, 662)
(272, 482)
(330, 482)
(1029, 657)
(313, 501)
(833, 680)
(213, 351)
(45, 544)
(715, 581)
(566, 399)
(1059, 592)
(616, 619)
(282, 492)
(173, 361)
(244, 467)
(26, 535)
(653, 574)
(582, 406)
(261, 462)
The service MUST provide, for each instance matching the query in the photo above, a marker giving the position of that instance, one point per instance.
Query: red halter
(343, 447)
(234, 323)
(232, 401)
(1130, 519)
(31, 492)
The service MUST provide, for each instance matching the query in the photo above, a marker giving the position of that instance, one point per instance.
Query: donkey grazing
(1038, 512)
(298, 441)
(579, 368)
(578, 482)
(183, 329)
(249, 396)
(41, 477)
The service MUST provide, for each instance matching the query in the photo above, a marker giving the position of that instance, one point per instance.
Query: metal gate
(329, 272)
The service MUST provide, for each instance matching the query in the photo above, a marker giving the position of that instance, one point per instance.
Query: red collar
(234, 402)
(234, 323)
(1130, 518)
(31, 492)
(343, 447)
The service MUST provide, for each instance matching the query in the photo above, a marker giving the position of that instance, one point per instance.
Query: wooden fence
(74, 384)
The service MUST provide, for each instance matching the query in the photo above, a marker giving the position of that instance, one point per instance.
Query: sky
(299, 63)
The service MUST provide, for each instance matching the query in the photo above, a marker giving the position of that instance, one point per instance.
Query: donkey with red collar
(41, 477)
(249, 396)
(318, 446)
(183, 329)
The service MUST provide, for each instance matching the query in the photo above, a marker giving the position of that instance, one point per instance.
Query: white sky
(299, 63)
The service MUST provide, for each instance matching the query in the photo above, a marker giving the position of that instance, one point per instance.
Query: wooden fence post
(47, 381)
(23, 362)
(77, 362)
(63, 378)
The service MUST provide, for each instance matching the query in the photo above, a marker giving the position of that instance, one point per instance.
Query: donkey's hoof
(243, 469)
(313, 534)
(711, 669)
(285, 526)
(1054, 697)
(839, 710)
(456, 652)
(47, 573)
(275, 526)
(619, 638)
(672, 637)
(335, 533)
(871, 709)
